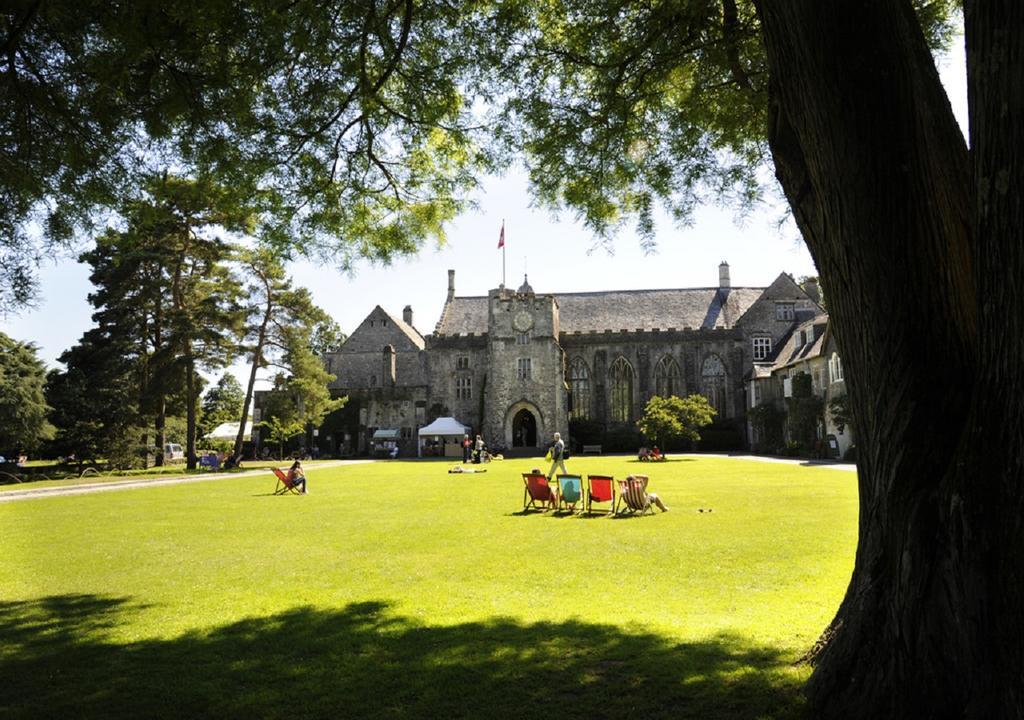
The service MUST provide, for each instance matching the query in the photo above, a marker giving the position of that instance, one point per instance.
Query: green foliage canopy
(222, 403)
(670, 418)
(23, 408)
(346, 122)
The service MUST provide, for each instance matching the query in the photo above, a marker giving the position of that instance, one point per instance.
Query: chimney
(723, 276)
(407, 315)
(451, 285)
(388, 376)
(811, 288)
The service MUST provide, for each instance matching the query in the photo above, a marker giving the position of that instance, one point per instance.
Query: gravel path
(85, 488)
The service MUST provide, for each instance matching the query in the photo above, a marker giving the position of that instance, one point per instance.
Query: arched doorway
(524, 429)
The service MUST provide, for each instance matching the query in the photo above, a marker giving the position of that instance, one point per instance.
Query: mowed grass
(177, 469)
(396, 590)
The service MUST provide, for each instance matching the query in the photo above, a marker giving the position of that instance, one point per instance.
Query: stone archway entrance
(524, 429)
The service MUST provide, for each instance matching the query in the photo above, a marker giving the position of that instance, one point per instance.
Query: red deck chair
(601, 488)
(537, 493)
(284, 483)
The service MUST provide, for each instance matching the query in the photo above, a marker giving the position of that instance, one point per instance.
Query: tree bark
(192, 399)
(877, 173)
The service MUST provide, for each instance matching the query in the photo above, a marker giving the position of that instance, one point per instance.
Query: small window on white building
(835, 368)
(784, 311)
(762, 348)
(523, 369)
(464, 388)
(462, 362)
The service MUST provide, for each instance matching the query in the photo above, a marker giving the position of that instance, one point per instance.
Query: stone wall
(511, 315)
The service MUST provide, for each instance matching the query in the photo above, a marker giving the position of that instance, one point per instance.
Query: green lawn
(175, 469)
(396, 590)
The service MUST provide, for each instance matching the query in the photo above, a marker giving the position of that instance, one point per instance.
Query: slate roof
(791, 351)
(367, 339)
(413, 333)
(463, 315)
(619, 310)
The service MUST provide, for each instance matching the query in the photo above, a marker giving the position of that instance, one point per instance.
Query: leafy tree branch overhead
(345, 123)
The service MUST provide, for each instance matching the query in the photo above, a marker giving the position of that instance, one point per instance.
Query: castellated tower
(526, 395)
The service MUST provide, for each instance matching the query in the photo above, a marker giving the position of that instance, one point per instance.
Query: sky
(556, 252)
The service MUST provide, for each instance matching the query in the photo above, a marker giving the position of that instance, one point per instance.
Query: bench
(209, 462)
(591, 449)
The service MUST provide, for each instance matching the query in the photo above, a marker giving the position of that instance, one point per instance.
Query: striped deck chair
(600, 488)
(537, 493)
(633, 495)
(570, 492)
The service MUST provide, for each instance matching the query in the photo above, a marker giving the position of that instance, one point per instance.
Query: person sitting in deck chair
(651, 497)
(297, 476)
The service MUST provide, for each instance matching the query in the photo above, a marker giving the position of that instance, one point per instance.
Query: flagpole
(503, 252)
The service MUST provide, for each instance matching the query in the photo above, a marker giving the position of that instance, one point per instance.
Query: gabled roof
(371, 336)
(792, 350)
(619, 310)
(784, 288)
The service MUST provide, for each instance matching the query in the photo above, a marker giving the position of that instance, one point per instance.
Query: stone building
(810, 349)
(518, 365)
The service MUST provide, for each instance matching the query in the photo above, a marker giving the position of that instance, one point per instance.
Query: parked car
(173, 451)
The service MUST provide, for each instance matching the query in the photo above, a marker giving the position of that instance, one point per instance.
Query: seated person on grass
(656, 454)
(644, 455)
(297, 476)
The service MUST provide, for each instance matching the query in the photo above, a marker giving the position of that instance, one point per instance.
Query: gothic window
(667, 378)
(462, 362)
(523, 369)
(712, 375)
(579, 385)
(373, 381)
(622, 390)
(762, 348)
(523, 339)
(464, 388)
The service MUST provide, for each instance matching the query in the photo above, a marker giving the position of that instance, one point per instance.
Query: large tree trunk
(877, 172)
(192, 399)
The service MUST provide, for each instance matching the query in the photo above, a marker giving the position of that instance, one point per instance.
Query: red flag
(501, 238)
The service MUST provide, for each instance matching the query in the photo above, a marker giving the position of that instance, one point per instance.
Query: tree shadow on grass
(364, 661)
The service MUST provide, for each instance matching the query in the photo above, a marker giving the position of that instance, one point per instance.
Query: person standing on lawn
(467, 448)
(557, 456)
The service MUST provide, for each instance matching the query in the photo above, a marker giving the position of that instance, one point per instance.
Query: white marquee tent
(447, 430)
(229, 431)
